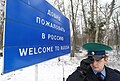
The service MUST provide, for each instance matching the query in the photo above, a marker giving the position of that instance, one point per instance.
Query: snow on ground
(52, 70)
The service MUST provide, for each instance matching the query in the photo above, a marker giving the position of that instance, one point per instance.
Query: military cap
(97, 50)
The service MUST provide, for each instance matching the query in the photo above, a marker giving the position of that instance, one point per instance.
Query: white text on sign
(52, 37)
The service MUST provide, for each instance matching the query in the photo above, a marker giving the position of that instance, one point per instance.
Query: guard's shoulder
(75, 73)
(75, 76)
(72, 76)
(117, 71)
(111, 70)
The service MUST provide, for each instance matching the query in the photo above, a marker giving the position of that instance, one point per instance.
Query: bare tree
(95, 20)
(59, 4)
(2, 12)
(116, 31)
(97, 28)
(89, 21)
(109, 12)
(74, 14)
(98, 18)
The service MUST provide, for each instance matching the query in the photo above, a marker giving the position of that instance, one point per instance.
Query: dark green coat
(111, 75)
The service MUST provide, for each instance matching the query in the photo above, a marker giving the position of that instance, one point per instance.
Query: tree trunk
(97, 28)
(74, 32)
(108, 21)
(84, 15)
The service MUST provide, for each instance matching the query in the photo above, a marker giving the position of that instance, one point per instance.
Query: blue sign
(34, 32)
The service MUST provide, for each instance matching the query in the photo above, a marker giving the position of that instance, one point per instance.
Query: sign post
(36, 72)
(34, 32)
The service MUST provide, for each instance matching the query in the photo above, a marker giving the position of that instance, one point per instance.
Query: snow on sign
(34, 32)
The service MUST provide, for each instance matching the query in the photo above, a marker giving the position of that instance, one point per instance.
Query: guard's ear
(106, 59)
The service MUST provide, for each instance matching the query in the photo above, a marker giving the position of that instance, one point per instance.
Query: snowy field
(54, 70)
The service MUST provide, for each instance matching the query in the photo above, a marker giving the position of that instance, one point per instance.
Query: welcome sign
(34, 32)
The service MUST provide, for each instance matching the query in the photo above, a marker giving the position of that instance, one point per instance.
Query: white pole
(63, 69)
(36, 72)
